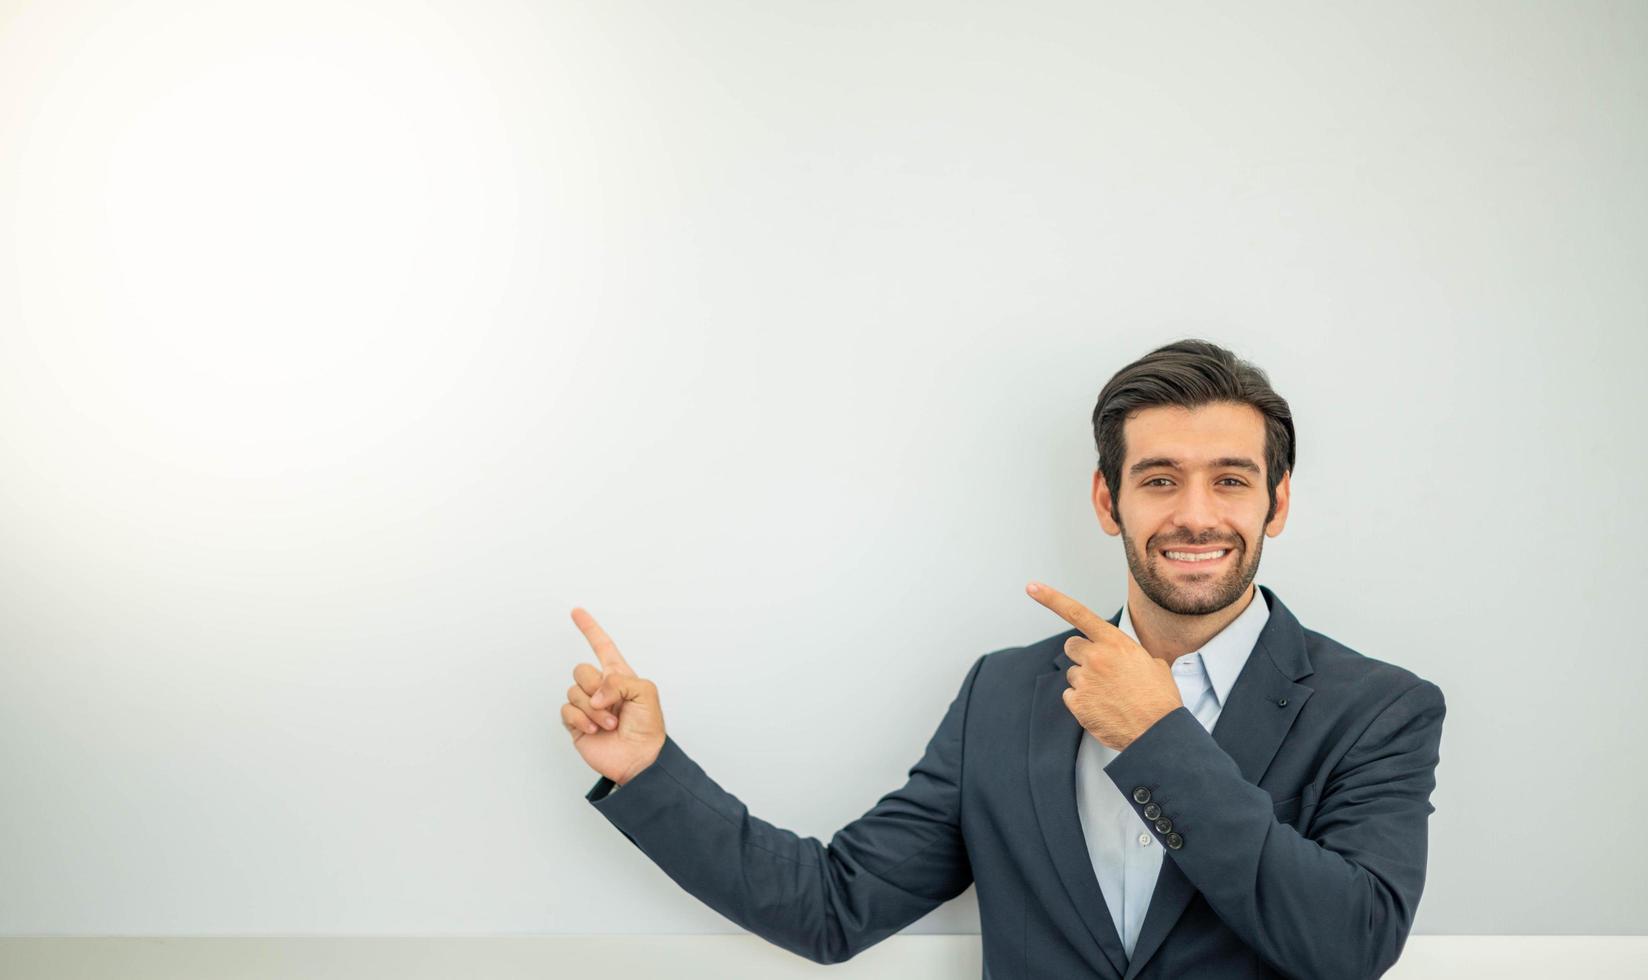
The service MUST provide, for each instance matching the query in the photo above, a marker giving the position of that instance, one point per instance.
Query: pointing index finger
(605, 650)
(1068, 609)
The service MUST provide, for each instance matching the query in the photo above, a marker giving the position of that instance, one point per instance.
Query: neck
(1167, 636)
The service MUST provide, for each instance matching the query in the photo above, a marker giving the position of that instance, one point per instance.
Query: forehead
(1194, 435)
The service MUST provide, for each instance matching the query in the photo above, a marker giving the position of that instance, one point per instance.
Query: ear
(1283, 492)
(1101, 504)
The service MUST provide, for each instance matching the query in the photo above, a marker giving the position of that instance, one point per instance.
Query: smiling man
(1197, 786)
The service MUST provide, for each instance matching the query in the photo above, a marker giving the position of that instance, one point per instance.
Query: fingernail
(609, 722)
(1033, 587)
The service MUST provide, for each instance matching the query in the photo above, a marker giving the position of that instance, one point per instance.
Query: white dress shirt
(1126, 857)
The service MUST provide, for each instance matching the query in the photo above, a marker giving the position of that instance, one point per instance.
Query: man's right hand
(613, 716)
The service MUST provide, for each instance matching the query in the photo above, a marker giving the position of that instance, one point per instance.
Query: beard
(1192, 593)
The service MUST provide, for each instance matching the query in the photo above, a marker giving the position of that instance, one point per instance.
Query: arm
(901, 859)
(1336, 904)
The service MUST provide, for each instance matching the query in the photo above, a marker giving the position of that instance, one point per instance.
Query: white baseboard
(697, 957)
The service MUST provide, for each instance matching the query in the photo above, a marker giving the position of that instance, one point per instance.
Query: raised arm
(901, 859)
(1336, 903)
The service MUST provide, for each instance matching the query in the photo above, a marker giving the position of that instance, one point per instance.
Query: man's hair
(1189, 373)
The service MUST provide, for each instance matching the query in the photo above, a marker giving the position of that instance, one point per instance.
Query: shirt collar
(1224, 655)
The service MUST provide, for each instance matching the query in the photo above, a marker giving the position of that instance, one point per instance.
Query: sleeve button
(1152, 811)
(1174, 841)
(1141, 794)
(1164, 825)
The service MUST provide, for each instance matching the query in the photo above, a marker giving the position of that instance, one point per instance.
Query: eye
(1237, 481)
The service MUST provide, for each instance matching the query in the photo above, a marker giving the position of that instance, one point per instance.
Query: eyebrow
(1224, 462)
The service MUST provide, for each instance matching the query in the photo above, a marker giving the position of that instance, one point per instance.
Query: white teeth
(1187, 556)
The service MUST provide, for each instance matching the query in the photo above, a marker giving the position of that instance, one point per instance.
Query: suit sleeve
(1337, 903)
(901, 859)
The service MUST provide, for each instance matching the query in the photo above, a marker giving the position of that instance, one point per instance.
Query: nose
(1198, 508)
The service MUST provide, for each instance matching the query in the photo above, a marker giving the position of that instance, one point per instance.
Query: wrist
(640, 767)
(1153, 717)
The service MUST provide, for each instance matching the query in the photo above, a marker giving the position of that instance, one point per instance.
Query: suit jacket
(1295, 831)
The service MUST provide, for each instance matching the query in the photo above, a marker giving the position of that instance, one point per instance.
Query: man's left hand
(1117, 689)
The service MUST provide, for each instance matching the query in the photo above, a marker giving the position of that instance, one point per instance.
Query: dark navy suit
(1296, 845)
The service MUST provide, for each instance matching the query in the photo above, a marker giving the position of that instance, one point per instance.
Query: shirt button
(1144, 840)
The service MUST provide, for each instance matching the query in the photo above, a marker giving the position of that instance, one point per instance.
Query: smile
(1211, 559)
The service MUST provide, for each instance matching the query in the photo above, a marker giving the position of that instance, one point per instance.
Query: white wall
(345, 348)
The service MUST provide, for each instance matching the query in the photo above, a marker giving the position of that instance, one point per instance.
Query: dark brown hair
(1190, 373)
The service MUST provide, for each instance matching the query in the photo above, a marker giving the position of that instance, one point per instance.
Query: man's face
(1184, 485)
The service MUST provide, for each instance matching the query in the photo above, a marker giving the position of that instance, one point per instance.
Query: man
(1113, 829)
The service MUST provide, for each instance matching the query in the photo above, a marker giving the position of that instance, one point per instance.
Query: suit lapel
(1250, 729)
(1055, 735)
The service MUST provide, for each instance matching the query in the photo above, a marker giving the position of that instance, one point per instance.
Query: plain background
(345, 347)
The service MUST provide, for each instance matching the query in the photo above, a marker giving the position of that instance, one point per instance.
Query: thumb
(617, 687)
